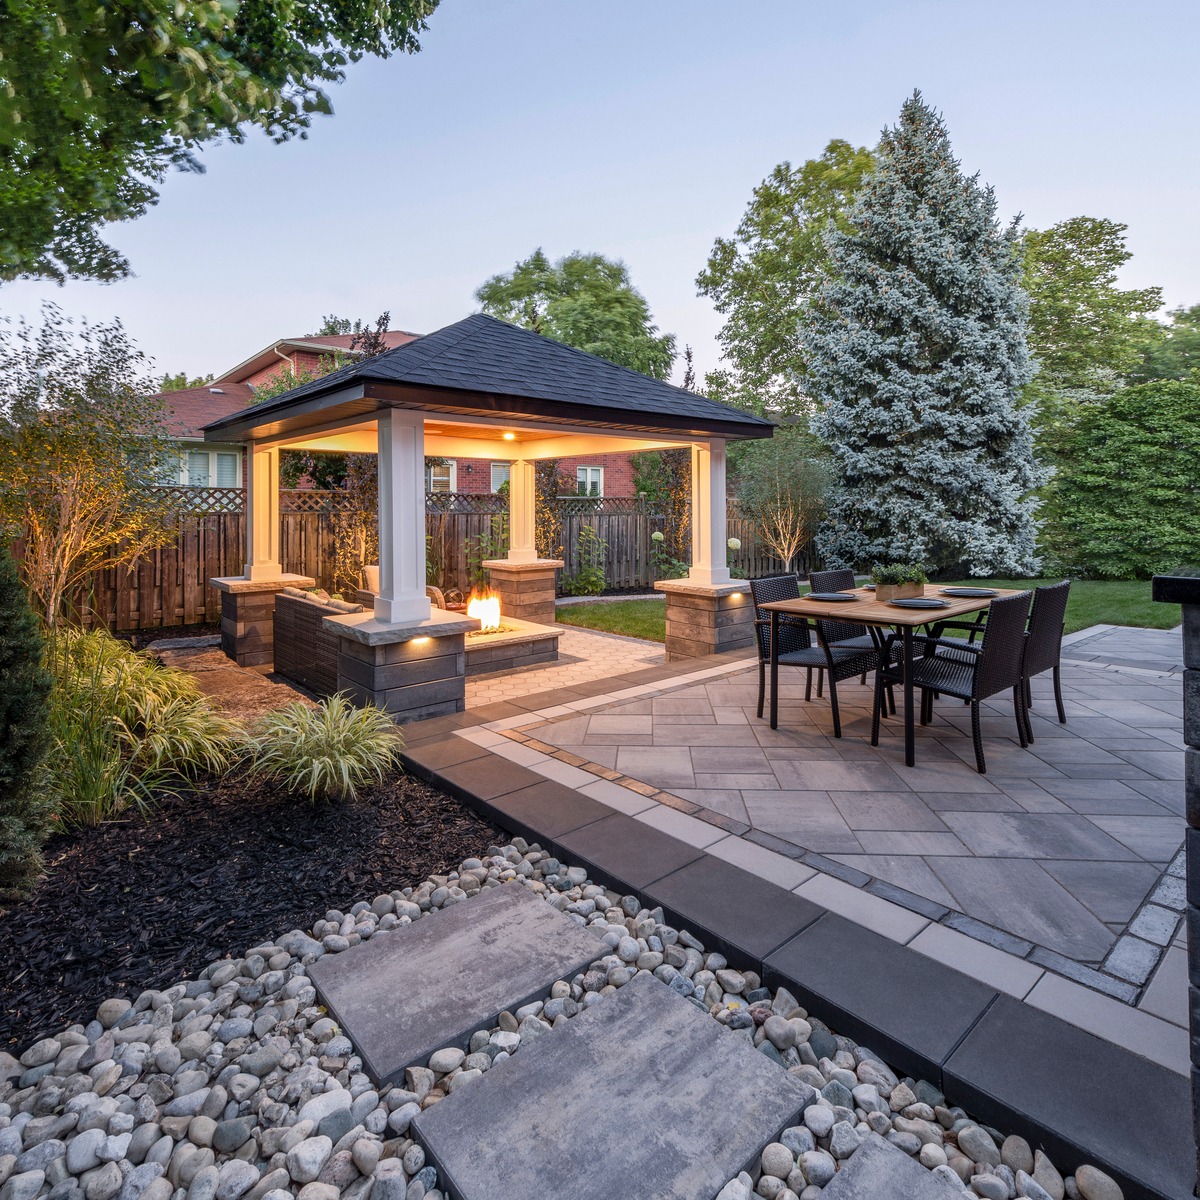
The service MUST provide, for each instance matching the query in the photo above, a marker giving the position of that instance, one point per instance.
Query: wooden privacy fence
(169, 586)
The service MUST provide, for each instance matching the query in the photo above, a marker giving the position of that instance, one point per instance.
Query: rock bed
(237, 1086)
(137, 904)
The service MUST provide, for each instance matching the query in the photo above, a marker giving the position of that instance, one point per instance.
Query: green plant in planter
(327, 752)
(898, 573)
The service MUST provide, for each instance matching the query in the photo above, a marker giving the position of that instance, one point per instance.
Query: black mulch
(134, 905)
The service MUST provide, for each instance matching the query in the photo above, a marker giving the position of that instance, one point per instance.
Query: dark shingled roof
(484, 355)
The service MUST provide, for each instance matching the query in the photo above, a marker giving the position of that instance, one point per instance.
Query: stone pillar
(248, 616)
(262, 515)
(411, 671)
(1185, 590)
(526, 589)
(706, 618)
(522, 512)
(709, 566)
(401, 598)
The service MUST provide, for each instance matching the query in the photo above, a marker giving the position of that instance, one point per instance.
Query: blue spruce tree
(918, 354)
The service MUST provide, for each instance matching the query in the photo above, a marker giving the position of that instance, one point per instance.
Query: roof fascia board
(264, 358)
(488, 404)
(249, 426)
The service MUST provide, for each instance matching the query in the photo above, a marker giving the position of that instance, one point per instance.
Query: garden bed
(140, 904)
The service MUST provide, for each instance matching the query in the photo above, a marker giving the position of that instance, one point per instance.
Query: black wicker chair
(796, 648)
(973, 675)
(841, 633)
(1043, 644)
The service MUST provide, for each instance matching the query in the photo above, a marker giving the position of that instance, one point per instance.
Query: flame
(485, 608)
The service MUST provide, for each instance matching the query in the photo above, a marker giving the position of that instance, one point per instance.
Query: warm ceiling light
(508, 437)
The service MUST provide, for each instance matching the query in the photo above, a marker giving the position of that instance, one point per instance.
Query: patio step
(640, 1095)
(409, 992)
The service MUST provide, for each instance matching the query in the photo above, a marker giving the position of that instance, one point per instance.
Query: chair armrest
(949, 643)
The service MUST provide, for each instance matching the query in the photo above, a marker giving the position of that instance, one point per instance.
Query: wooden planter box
(898, 591)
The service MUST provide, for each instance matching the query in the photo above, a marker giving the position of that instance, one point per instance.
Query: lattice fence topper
(200, 500)
(315, 500)
(466, 502)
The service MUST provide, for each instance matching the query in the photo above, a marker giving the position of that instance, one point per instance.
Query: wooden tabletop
(866, 610)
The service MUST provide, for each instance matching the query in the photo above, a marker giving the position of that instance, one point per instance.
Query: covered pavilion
(479, 388)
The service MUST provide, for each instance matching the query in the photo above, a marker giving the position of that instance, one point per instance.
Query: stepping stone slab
(411, 991)
(686, 1105)
(879, 1171)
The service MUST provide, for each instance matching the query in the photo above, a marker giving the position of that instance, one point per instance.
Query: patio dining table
(876, 615)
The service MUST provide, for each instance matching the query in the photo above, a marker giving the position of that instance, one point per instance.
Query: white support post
(262, 515)
(401, 597)
(709, 538)
(522, 512)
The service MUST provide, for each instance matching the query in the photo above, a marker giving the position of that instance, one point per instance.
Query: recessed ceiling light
(508, 437)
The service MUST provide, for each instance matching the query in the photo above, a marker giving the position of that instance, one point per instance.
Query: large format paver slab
(409, 992)
(641, 1095)
(878, 1171)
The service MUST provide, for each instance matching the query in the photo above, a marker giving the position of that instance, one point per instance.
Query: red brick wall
(618, 473)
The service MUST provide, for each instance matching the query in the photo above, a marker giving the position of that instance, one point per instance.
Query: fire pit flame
(485, 608)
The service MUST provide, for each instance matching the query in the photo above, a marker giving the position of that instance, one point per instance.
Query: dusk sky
(639, 130)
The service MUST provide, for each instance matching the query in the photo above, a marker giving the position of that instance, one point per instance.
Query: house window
(499, 475)
(589, 481)
(441, 477)
(212, 468)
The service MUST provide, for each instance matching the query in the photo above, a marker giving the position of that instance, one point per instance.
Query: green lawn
(1093, 602)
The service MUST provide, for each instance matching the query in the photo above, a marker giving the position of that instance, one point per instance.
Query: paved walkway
(1119, 645)
(584, 656)
(1011, 1033)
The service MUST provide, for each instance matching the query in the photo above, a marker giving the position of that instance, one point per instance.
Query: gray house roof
(484, 365)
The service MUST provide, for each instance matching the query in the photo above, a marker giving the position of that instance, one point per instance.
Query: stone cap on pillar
(689, 587)
(538, 564)
(239, 583)
(1181, 586)
(368, 629)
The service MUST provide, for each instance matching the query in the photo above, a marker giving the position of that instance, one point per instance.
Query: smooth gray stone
(666, 1076)
(433, 983)
(878, 1171)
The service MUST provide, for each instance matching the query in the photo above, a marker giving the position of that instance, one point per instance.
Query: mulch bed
(143, 904)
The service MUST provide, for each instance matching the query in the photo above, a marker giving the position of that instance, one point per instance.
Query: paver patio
(1056, 848)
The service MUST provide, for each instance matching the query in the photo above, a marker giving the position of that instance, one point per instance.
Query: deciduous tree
(81, 444)
(582, 300)
(99, 101)
(917, 355)
(763, 278)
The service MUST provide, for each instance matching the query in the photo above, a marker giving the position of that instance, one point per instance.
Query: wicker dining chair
(796, 648)
(1043, 644)
(841, 633)
(971, 676)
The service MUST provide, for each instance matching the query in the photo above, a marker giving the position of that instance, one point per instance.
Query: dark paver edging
(917, 1013)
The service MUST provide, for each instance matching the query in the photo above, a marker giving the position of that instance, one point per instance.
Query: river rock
(1094, 1184)
(1045, 1173)
(978, 1146)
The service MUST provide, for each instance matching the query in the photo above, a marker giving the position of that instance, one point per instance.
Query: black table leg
(774, 669)
(910, 750)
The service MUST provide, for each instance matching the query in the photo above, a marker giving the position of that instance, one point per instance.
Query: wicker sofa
(304, 650)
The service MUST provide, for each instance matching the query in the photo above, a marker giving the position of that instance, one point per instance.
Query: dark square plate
(830, 596)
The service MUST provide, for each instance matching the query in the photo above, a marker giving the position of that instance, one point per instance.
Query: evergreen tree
(917, 354)
(26, 813)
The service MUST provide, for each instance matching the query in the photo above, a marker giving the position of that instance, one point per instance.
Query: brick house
(205, 465)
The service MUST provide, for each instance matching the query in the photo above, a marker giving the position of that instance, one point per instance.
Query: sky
(639, 130)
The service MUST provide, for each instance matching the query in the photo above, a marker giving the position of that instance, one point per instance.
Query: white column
(708, 513)
(262, 515)
(401, 597)
(522, 510)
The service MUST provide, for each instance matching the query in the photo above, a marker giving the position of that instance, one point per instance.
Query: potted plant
(898, 581)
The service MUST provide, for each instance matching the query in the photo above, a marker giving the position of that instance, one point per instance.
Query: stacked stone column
(1185, 590)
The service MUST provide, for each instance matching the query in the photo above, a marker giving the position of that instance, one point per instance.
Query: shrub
(26, 809)
(327, 752)
(1124, 503)
(589, 580)
(897, 573)
(124, 726)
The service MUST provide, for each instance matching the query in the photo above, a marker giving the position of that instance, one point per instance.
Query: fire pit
(503, 644)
